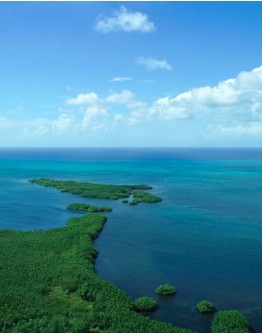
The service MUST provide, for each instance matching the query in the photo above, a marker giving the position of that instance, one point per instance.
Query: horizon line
(130, 147)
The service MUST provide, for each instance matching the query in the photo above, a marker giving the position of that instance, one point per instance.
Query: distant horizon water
(204, 237)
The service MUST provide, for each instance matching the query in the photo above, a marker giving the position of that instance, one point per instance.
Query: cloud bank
(231, 101)
(231, 109)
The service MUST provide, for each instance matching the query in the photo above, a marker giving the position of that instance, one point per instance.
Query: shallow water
(204, 238)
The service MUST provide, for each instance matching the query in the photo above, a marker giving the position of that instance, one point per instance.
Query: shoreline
(61, 262)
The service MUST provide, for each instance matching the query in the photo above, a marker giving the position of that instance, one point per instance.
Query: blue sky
(180, 74)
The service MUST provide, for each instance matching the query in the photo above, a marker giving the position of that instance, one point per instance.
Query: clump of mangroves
(88, 207)
(92, 190)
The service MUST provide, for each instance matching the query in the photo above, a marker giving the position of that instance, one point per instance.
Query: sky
(130, 74)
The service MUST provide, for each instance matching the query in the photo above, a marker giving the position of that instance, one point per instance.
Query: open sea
(205, 237)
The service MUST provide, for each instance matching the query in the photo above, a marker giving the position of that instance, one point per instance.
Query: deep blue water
(205, 238)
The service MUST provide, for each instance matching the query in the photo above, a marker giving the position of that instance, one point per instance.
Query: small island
(205, 306)
(88, 208)
(166, 290)
(230, 321)
(144, 197)
(145, 304)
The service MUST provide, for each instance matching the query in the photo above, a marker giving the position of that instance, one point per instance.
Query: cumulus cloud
(82, 99)
(136, 110)
(136, 116)
(91, 115)
(43, 126)
(36, 127)
(120, 79)
(122, 97)
(60, 125)
(124, 20)
(238, 98)
(153, 64)
(166, 109)
(233, 108)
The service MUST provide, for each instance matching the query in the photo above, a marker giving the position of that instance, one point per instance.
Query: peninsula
(48, 278)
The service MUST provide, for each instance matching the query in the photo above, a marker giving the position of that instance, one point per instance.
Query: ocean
(205, 237)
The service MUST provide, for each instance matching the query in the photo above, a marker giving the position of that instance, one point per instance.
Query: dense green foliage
(91, 190)
(133, 202)
(125, 201)
(166, 290)
(145, 304)
(105, 191)
(88, 207)
(205, 306)
(48, 283)
(144, 197)
(230, 321)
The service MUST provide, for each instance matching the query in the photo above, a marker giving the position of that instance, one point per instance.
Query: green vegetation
(133, 202)
(144, 197)
(91, 190)
(48, 283)
(105, 191)
(125, 201)
(230, 321)
(205, 306)
(145, 304)
(88, 208)
(166, 290)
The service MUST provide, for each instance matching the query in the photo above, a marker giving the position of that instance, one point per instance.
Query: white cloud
(132, 120)
(137, 105)
(136, 116)
(121, 79)
(82, 99)
(36, 127)
(39, 130)
(136, 110)
(96, 111)
(122, 97)
(166, 109)
(126, 21)
(92, 114)
(251, 129)
(60, 125)
(43, 126)
(239, 98)
(153, 64)
(230, 109)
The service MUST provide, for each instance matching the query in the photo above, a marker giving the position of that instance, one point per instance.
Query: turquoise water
(205, 238)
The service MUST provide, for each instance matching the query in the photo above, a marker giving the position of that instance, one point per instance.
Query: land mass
(48, 282)
(83, 207)
(92, 190)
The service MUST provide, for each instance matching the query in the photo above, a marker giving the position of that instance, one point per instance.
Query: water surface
(204, 238)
